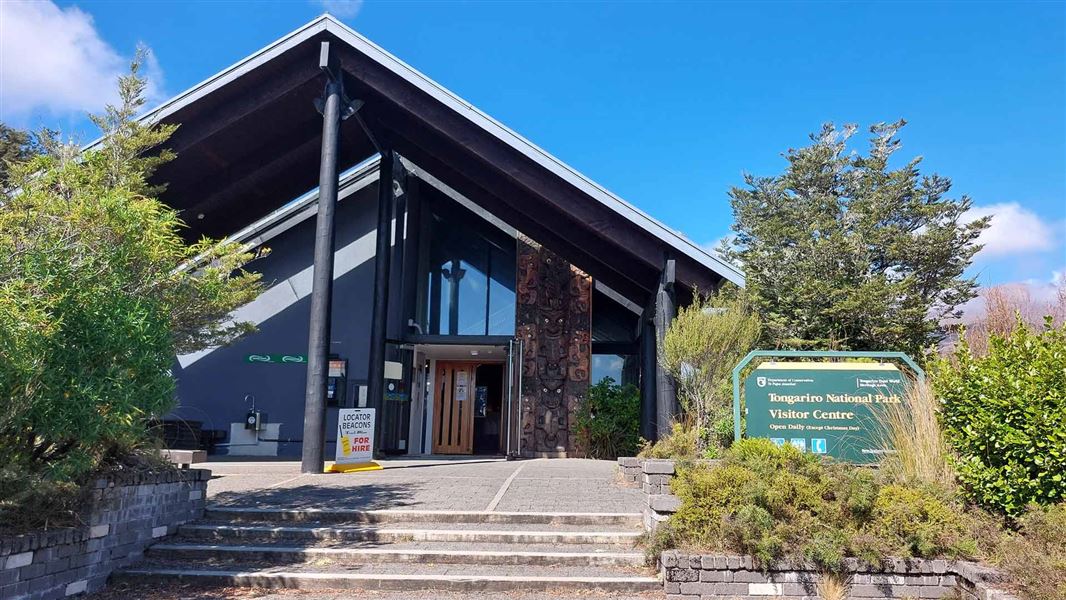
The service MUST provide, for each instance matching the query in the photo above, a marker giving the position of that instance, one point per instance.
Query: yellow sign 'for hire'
(355, 441)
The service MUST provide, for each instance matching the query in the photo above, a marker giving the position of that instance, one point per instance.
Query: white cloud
(712, 246)
(344, 9)
(1039, 297)
(1013, 230)
(54, 60)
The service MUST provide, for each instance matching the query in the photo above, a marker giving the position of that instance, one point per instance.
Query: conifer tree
(841, 251)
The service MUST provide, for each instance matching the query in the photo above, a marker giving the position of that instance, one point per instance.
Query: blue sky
(666, 104)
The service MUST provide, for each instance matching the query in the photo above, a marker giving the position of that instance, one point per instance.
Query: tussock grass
(833, 586)
(912, 430)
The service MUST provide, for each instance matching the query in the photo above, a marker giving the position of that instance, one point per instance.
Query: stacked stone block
(126, 514)
(713, 577)
(656, 476)
(631, 469)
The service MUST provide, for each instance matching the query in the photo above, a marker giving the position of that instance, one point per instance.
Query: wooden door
(453, 408)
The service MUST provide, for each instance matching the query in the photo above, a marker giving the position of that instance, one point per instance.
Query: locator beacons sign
(355, 440)
(827, 408)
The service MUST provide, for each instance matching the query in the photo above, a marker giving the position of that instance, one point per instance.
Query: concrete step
(456, 555)
(463, 582)
(396, 534)
(230, 513)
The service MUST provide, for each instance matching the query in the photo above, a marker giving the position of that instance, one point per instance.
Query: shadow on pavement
(325, 495)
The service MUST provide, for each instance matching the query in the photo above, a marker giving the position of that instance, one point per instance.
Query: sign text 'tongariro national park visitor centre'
(823, 407)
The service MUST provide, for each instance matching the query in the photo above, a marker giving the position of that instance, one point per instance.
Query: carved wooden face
(554, 320)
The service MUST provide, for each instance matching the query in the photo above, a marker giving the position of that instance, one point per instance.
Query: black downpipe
(382, 261)
(322, 286)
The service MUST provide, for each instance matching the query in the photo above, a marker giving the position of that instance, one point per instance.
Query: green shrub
(679, 444)
(1035, 556)
(771, 501)
(1004, 414)
(608, 422)
(703, 343)
(911, 521)
(98, 292)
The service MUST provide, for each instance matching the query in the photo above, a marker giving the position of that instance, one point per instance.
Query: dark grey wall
(213, 388)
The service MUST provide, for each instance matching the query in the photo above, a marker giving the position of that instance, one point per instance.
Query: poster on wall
(827, 408)
(355, 441)
(462, 386)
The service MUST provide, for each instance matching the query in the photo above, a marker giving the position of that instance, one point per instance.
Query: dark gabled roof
(248, 143)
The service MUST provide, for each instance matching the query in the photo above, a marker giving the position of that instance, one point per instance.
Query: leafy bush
(1004, 413)
(701, 347)
(98, 292)
(680, 443)
(917, 521)
(1035, 556)
(608, 422)
(771, 501)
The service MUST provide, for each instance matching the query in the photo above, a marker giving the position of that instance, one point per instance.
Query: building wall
(212, 385)
(554, 320)
(553, 316)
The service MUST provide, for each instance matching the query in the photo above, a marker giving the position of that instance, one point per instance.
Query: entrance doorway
(468, 412)
(453, 422)
(488, 409)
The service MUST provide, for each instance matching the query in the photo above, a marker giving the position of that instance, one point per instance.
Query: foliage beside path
(98, 293)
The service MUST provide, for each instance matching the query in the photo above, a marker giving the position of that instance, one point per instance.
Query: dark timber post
(333, 107)
(665, 310)
(648, 373)
(375, 392)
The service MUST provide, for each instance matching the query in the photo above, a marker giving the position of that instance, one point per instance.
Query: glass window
(470, 280)
(501, 292)
(607, 365)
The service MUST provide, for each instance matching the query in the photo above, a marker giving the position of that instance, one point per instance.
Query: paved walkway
(474, 484)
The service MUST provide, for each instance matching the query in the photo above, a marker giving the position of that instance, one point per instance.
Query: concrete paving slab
(541, 485)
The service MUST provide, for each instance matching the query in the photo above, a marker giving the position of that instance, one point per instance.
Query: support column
(375, 393)
(648, 374)
(666, 395)
(322, 283)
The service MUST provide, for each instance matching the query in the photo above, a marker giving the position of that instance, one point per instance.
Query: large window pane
(501, 292)
(470, 281)
(473, 296)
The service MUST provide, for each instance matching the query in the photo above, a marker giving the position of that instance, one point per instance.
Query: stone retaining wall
(126, 515)
(654, 477)
(712, 577)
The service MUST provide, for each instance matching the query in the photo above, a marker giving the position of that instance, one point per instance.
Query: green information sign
(823, 407)
(297, 359)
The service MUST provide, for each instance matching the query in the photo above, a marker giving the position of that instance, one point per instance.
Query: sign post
(355, 441)
(823, 407)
